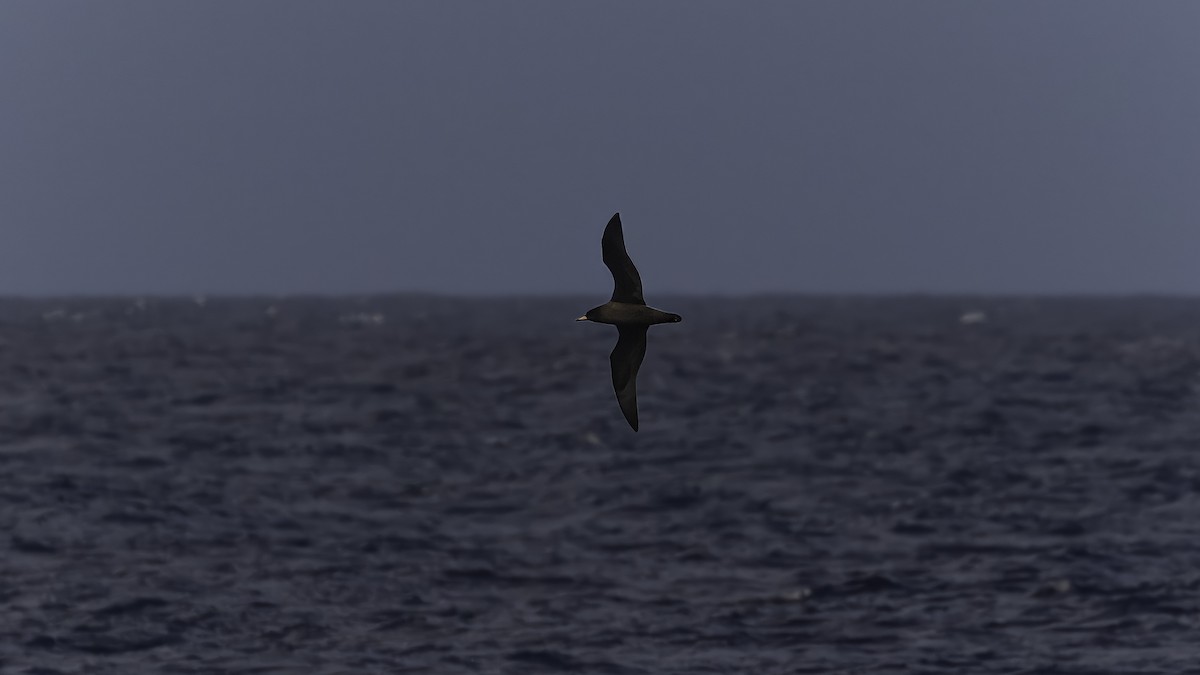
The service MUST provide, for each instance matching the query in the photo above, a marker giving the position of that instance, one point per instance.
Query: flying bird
(627, 311)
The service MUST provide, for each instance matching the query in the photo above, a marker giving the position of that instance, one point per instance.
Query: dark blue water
(392, 485)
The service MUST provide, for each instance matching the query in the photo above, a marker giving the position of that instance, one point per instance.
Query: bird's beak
(582, 318)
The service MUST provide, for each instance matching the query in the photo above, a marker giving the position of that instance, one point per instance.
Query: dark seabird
(628, 312)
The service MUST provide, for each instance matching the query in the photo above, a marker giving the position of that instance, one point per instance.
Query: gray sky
(480, 147)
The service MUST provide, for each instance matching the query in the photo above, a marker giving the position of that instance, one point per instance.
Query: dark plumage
(627, 311)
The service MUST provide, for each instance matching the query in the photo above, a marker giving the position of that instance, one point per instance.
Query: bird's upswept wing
(627, 283)
(625, 360)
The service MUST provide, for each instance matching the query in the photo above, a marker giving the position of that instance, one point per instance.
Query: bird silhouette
(627, 310)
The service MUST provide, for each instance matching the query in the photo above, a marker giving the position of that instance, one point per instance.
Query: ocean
(389, 484)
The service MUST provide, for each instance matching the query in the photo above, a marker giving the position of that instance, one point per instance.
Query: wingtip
(631, 416)
(631, 419)
(614, 232)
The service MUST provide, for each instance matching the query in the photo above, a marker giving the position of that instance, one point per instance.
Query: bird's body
(629, 314)
(627, 310)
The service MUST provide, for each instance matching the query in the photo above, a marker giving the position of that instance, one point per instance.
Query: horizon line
(450, 295)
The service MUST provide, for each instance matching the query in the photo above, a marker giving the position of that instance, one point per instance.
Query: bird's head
(675, 318)
(592, 314)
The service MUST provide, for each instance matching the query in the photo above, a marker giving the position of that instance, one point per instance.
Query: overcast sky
(480, 147)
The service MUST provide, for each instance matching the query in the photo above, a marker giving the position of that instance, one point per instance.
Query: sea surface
(435, 485)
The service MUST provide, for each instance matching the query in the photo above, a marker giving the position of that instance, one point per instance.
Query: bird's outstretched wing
(627, 283)
(625, 359)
